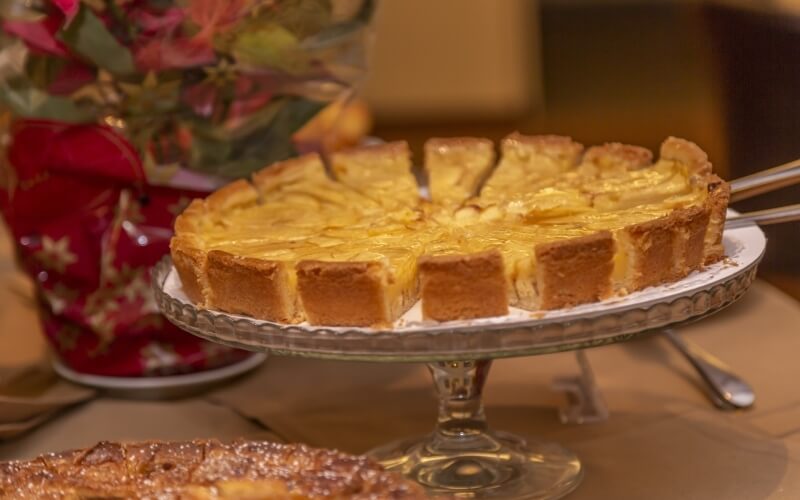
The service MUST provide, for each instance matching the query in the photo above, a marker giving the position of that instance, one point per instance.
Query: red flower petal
(166, 20)
(68, 7)
(251, 94)
(38, 35)
(72, 76)
(213, 16)
(159, 54)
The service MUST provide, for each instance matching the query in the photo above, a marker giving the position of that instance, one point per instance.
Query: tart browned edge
(200, 470)
(569, 272)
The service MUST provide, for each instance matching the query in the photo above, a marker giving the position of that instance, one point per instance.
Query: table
(663, 440)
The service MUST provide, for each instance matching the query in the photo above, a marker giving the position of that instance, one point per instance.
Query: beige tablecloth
(663, 439)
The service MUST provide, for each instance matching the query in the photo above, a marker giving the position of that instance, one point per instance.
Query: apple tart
(550, 225)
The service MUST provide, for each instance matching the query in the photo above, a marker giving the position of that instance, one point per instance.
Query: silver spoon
(728, 390)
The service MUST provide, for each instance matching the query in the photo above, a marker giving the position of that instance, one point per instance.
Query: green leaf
(33, 103)
(238, 155)
(271, 46)
(42, 70)
(295, 113)
(209, 151)
(88, 37)
(154, 95)
(302, 17)
(258, 120)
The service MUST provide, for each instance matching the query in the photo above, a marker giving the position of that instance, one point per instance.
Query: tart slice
(463, 286)
(526, 162)
(528, 184)
(456, 168)
(369, 288)
(381, 173)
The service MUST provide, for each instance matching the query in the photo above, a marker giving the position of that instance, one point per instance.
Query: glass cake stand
(462, 457)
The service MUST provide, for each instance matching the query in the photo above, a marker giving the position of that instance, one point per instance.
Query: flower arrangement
(215, 86)
(115, 113)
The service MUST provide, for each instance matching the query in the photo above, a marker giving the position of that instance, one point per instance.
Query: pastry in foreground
(201, 470)
(550, 225)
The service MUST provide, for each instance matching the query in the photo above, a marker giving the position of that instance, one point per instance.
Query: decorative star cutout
(55, 254)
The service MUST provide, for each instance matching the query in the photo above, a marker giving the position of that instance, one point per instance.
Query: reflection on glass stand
(464, 457)
(585, 403)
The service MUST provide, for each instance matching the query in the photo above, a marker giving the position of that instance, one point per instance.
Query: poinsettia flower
(68, 7)
(39, 36)
(158, 22)
(214, 16)
(159, 54)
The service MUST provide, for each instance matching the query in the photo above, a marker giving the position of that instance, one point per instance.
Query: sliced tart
(551, 225)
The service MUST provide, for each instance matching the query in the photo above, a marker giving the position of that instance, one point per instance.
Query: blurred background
(725, 74)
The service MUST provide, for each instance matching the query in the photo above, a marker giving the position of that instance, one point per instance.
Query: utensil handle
(730, 389)
(765, 181)
(778, 215)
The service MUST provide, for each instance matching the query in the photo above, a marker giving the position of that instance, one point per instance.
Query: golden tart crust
(201, 470)
(463, 286)
(551, 225)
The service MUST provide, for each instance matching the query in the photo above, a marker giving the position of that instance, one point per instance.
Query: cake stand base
(463, 458)
(494, 465)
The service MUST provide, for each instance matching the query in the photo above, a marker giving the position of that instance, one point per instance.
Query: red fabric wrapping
(88, 228)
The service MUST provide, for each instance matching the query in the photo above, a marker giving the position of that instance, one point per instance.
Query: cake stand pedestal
(463, 457)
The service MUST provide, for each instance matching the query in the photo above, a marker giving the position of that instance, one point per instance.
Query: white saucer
(167, 387)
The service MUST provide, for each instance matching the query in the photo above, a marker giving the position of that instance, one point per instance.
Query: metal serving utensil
(765, 181)
(728, 391)
(778, 215)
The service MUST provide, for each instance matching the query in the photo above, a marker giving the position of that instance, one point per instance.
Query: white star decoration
(55, 254)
